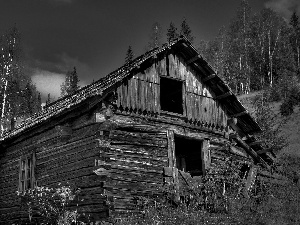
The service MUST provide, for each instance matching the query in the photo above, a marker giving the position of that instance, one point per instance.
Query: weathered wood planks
(141, 93)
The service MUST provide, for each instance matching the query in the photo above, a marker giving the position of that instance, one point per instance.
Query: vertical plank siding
(141, 93)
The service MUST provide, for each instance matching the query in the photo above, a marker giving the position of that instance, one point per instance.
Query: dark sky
(93, 35)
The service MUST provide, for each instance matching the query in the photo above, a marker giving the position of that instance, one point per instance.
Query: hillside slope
(291, 129)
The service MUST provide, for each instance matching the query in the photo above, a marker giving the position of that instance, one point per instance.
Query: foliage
(186, 31)
(129, 55)
(172, 32)
(71, 83)
(287, 107)
(48, 101)
(209, 202)
(270, 123)
(293, 99)
(215, 198)
(39, 102)
(255, 50)
(30, 103)
(155, 36)
(295, 39)
(51, 204)
(16, 90)
(274, 93)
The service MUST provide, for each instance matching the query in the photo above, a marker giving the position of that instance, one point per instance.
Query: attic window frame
(179, 106)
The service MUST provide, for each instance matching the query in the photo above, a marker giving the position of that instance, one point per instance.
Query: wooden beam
(225, 95)
(270, 156)
(240, 114)
(251, 151)
(205, 79)
(192, 59)
(265, 150)
(255, 143)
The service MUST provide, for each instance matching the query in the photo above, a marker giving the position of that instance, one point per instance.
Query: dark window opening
(171, 95)
(188, 155)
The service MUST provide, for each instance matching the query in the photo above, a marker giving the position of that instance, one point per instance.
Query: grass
(291, 129)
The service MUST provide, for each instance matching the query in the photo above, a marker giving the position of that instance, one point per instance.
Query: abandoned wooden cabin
(163, 118)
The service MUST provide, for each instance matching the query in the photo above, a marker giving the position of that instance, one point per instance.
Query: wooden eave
(180, 46)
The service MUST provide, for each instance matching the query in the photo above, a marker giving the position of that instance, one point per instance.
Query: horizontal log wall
(59, 158)
(132, 165)
(141, 92)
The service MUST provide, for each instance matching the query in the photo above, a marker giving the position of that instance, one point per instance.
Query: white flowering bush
(51, 204)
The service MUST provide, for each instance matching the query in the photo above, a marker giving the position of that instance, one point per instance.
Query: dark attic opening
(188, 155)
(171, 95)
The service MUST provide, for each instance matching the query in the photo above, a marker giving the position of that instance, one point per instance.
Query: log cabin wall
(137, 159)
(65, 153)
(131, 165)
(141, 92)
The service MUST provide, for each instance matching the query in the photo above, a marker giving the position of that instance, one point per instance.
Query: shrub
(293, 99)
(216, 199)
(51, 204)
(274, 94)
(294, 95)
(287, 107)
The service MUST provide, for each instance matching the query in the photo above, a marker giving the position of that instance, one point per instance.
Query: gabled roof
(182, 47)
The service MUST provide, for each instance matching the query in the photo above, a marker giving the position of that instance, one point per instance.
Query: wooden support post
(206, 158)
(172, 162)
(171, 148)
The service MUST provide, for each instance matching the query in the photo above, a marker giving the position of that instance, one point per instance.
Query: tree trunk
(3, 106)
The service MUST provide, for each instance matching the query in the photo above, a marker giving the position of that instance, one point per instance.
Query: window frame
(182, 96)
(27, 172)
(204, 151)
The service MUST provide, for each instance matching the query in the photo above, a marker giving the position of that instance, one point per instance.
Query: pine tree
(13, 80)
(129, 55)
(216, 53)
(294, 20)
(186, 31)
(71, 83)
(172, 32)
(29, 103)
(155, 36)
(48, 101)
(295, 39)
(39, 102)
